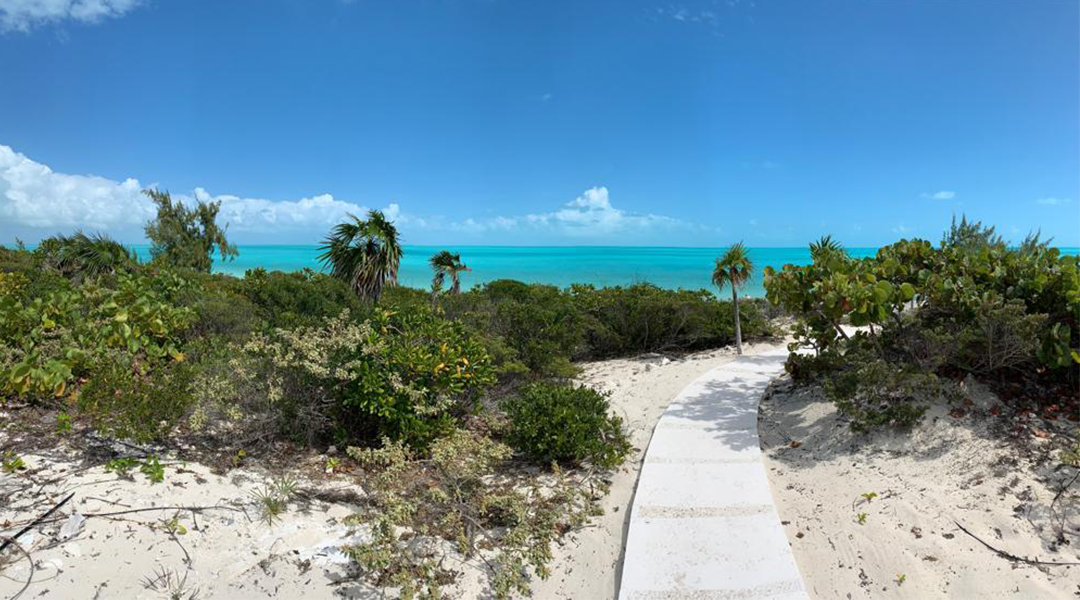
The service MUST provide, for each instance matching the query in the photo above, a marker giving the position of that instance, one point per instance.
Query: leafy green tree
(971, 235)
(186, 237)
(734, 268)
(447, 264)
(364, 253)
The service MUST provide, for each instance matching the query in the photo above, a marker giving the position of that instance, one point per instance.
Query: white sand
(233, 554)
(947, 471)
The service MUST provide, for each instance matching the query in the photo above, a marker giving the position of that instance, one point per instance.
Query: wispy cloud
(1053, 201)
(901, 229)
(708, 14)
(590, 215)
(940, 195)
(547, 97)
(24, 15)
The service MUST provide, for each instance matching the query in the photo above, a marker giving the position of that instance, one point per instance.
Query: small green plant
(121, 466)
(11, 462)
(63, 423)
(551, 422)
(869, 496)
(239, 457)
(900, 579)
(861, 518)
(1071, 456)
(273, 498)
(153, 470)
(333, 464)
(175, 527)
(171, 585)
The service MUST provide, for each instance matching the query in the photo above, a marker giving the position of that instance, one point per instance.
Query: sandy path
(588, 564)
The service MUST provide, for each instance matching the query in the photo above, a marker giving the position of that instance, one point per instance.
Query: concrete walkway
(703, 524)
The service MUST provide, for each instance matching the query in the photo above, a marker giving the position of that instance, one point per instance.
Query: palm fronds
(734, 268)
(364, 253)
(825, 248)
(446, 264)
(83, 256)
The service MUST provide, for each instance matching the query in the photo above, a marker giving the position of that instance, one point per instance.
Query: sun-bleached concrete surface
(703, 524)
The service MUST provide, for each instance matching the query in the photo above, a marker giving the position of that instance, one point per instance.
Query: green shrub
(124, 400)
(54, 339)
(304, 298)
(645, 318)
(403, 375)
(876, 394)
(973, 305)
(459, 493)
(539, 323)
(554, 422)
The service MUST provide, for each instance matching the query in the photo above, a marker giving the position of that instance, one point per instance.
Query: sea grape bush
(972, 305)
(54, 339)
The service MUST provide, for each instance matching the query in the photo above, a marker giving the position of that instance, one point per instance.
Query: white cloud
(901, 229)
(590, 215)
(942, 195)
(22, 15)
(35, 200)
(547, 97)
(1053, 201)
(33, 195)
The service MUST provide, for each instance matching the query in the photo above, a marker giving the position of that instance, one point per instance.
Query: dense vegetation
(439, 396)
(930, 315)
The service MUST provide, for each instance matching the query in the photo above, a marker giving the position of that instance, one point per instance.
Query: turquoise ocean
(672, 268)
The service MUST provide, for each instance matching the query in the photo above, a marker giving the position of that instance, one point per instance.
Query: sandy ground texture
(955, 469)
(225, 548)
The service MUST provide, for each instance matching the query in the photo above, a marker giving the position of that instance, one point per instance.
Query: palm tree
(824, 248)
(734, 268)
(446, 264)
(364, 254)
(82, 256)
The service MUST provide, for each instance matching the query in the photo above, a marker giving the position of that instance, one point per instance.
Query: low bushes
(539, 329)
(644, 318)
(304, 298)
(459, 499)
(124, 400)
(404, 376)
(971, 306)
(567, 424)
(54, 339)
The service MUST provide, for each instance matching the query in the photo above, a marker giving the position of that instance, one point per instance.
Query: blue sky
(556, 122)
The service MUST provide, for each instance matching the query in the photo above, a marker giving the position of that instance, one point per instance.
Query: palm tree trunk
(738, 324)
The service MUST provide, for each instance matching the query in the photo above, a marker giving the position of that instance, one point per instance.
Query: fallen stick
(11, 539)
(1014, 557)
(138, 510)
